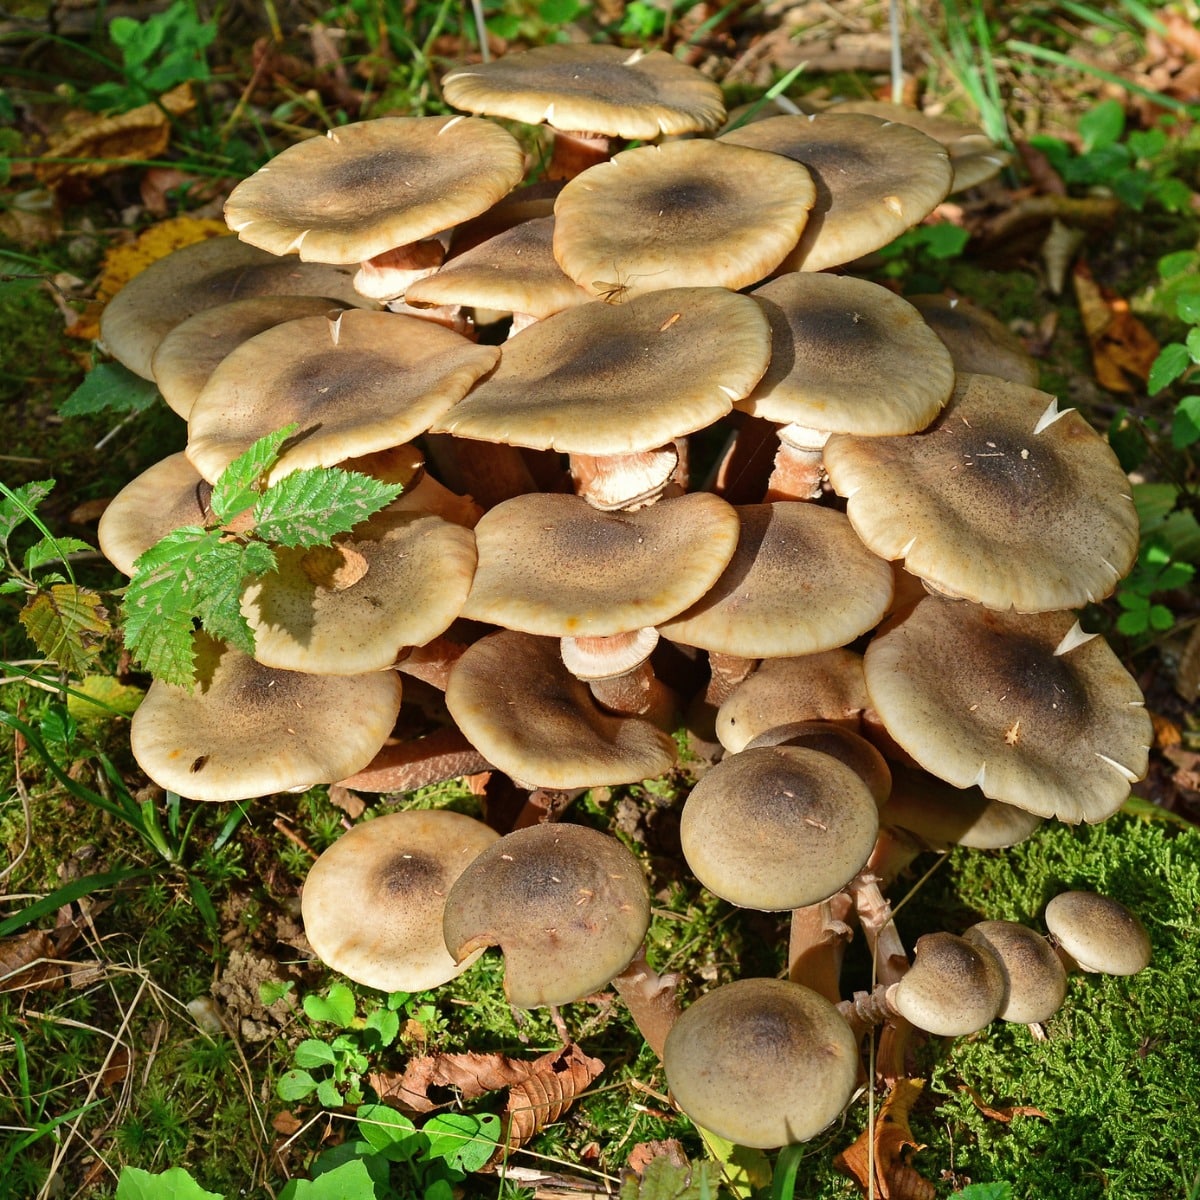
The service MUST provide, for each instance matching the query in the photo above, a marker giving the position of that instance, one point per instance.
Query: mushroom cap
(848, 356)
(164, 497)
(953, 988)
(409, 573)
(778, 827)
(619, 378)
(1033, 712)
(249, 730)
(695, 213)
(592, 89)
(799, 582)
(554, 565)
(829, 686)
(201, 276)
(1035, 981)
(978, 342)
(515, 271)
(567, 905)
(762, 1062)
(189, 354)
(373, 902)
(519, 707)
(838, 742)
(1099, 933)
(874, 180)
(364, 382)
(1003, 500)
(374, 185)
(943, 815)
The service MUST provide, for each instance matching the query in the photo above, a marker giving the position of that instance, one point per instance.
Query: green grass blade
(67, 894)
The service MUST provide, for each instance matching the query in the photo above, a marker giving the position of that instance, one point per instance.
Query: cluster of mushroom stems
(885, 474)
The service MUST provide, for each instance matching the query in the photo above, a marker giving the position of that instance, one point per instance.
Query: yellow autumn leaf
(107, 693)
(68, 624)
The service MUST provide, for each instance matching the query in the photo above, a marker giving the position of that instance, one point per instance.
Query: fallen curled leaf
(894, 1178)
(1123, 349)
(286, 1123)
(105, 144)
(645, 1152)
(1166, 732)
(353, 806)
(21, 963)
(539, 1091)
(114, 1075)
(1003, 1114)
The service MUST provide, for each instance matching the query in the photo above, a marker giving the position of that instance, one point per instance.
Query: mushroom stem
(404, 766)
(798, 474)
(572, 153)
(637, 693)
(875, 916)
(819, 936)
(651, 999)
(615, 481)
(388, 275)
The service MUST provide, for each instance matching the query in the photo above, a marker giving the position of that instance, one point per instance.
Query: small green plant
(914, 256)
(197, 574)
(1155, 574)
(165, 50)
(1139, 168)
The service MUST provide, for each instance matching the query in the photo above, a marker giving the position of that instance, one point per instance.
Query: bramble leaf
(109, 387)
(218, 593)
(1171, 362)
(241, 483)
(67, 623)
(51, 549)
(307, 508)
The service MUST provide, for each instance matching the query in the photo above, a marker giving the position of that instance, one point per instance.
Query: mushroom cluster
(878, 577)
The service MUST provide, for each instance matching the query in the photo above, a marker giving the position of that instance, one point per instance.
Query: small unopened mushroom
(762, 1062)
(953, 987)
(1097, 933)
(1034, 978)
(373, 902)
(568, 906)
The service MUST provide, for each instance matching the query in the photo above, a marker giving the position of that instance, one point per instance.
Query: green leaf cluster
(1154, 574)
(196, 576)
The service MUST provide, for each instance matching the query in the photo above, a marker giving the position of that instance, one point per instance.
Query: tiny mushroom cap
(370, 187)
(694, 213)
(953, 988)
(848, 356)
(248, 730)
(1034, 977)
(397, 580)
(201, 276)
(568, 906)
(1033, 712)
(360, 383)
(593, 89)
(190, 353)
(163, 498)
(799, 582)
(556, 566)
(874, 180)
(762, 1062)
(1099, 933)
(524, 712)
(1004, 500)
(979, 343)
(829, 686)
(778, 827)
(373, 902)
(619, 378)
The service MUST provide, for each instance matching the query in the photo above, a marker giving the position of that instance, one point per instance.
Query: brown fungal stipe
(762, 1062)
(568, 906)
(373, 902)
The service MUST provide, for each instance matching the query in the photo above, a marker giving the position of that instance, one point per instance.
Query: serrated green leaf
(220, 580)
(109, 387)
(295, 1085)
(241, 483)
(51, 549)
(313, 1053)
(11, 586)
(17, 505)
(1172, 361)
(68, 624)
(173, 1184)
(1133, 623)
(985, 1191)
(336, 1006)
(1187, 305)
(383, 1127)
(307, 508)
(159, 607)
(1161, 618)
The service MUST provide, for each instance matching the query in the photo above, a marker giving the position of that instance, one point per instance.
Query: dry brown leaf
(547, 1093)
(108, 143)
(894, 1178)
(114, 1075)
(645, 1152)
(122, 263)
(286, 1123)
(1166, 732)
(1187, 673)
(1004, 1114)
(351, 804)
(21, 968)
(1123, 349)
